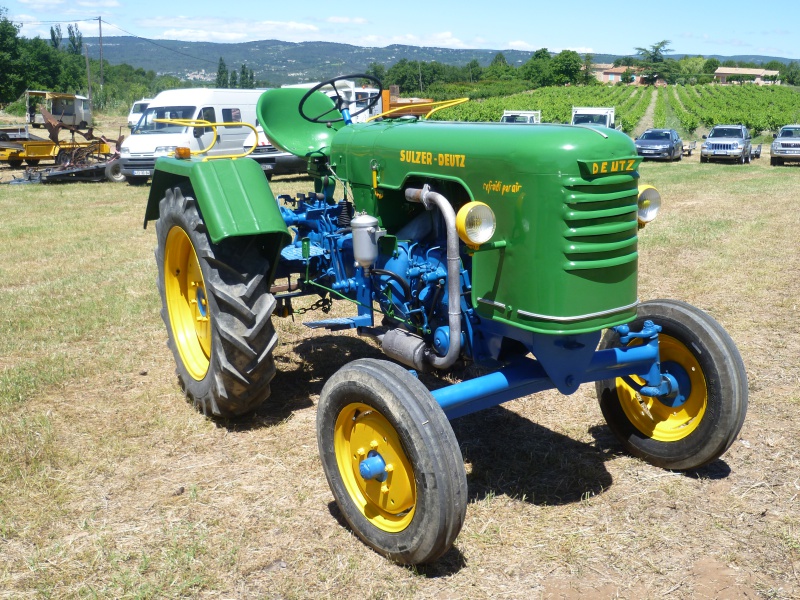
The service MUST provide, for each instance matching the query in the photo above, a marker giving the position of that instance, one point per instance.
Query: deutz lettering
(613, 166)
(451, 160)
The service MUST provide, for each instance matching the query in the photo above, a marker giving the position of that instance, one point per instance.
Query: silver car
(660, 143)
(786, 147)
(727, 143)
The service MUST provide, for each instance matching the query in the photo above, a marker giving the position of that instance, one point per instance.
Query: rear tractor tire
(700, 424)
(217, 308)
(392, 461)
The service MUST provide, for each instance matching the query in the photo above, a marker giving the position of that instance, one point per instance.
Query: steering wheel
(339, 100)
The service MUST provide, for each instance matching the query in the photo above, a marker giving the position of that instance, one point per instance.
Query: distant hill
(286, 62)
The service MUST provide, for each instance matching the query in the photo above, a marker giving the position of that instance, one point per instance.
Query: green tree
(222, 74)
(12, 82)
(587, 73)
(627, 76)
(655, 53)
(406, 74)
(42, 65)
(653, 63)
(791, 74)
(499, 68)
(567, 66)
(473, 72)
(691, 65)
(711, 65)
(539, 69)
(75, 40)
(626, 61)
(56, 37)
(72, 73)
(376, 70)
(244, 77)
(232, 81)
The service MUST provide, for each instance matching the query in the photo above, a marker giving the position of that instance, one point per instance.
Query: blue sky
(729, 28)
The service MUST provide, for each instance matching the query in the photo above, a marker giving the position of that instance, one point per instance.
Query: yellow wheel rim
(658, 420)
(185, 292)
(389, 504)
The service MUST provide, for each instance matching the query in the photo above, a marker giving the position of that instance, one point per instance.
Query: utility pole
(100, 25)
(88, 74)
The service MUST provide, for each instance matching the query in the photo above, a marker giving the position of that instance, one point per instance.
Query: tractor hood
(473, 151)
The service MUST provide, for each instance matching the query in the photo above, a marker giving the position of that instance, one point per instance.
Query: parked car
(521, 116)
(274, 161)
(786, 147)
(137, 109)
(726, 142)
(663, 144)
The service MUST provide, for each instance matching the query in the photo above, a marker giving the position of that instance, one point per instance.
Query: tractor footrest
(333, 324)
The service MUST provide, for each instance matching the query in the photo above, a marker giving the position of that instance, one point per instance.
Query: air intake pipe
(430, 199)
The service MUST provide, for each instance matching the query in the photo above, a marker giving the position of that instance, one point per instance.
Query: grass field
(112, 486)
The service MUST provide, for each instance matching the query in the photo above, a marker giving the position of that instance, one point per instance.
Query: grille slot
(601, 225)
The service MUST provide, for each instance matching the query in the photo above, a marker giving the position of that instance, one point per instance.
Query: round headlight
(649, 203)
(475, 224)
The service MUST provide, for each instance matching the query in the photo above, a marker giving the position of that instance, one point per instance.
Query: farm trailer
(514, 248)
(35, 151)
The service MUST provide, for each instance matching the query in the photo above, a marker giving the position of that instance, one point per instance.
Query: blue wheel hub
(681, 377)
(373, 467)
(201, 302)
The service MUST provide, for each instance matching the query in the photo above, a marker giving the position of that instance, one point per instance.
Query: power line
(48, 22)
(211, 62)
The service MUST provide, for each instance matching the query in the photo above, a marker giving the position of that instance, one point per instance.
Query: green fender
(233, 196)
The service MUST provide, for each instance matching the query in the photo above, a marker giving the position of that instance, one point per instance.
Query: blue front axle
(564, 372)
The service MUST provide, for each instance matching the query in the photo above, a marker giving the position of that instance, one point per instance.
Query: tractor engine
(562, 253)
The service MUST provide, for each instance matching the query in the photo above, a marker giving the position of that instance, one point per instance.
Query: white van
(136, 111)
(149, 139)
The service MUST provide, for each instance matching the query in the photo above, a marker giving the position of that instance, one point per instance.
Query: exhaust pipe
(406, 347)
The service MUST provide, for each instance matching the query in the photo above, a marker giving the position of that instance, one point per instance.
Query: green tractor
(512, 247)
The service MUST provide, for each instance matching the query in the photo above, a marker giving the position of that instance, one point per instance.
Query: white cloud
(42, 4)
(443, 39)
(213, 30)
(99, 3)
(519, 45)
(347, 20)
(201, 35)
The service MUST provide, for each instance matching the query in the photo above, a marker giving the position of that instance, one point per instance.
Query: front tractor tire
(216, 304)
(698, 426)
(392, 461)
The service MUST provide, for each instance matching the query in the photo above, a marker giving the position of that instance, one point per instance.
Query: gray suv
(786, 147)
(726, 142)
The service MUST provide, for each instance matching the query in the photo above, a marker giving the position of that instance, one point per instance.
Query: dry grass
(112, 486)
